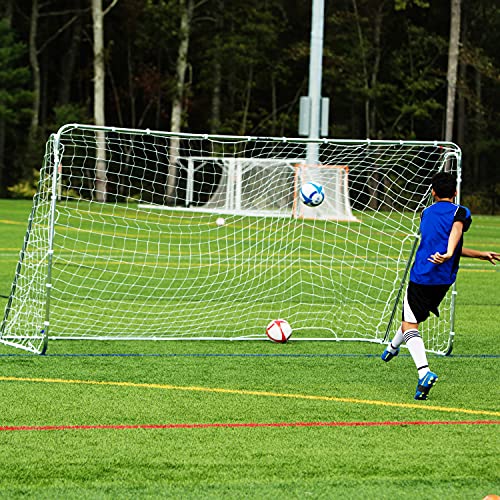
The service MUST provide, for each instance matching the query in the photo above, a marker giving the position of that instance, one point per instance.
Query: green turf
(253, 382)
(168, 273)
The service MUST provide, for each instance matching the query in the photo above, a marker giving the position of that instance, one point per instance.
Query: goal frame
(38, 342)
(232, 195)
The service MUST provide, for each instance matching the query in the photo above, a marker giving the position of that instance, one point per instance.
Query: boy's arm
(476, 254)
(453, 240)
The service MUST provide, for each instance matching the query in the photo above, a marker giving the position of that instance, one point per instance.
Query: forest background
(239, 67)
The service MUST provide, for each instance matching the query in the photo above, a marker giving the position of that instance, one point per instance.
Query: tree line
(239, 67)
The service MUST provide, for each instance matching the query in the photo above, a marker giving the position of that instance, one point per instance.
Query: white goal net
(139, 234)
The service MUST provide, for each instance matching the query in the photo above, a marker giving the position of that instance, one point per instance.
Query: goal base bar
(30, 348)
(245, 337)
(379, 341)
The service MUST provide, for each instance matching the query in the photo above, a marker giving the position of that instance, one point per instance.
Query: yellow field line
(12, 222)
(242, 392)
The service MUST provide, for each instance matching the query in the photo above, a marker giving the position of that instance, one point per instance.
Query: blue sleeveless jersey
(435, 227)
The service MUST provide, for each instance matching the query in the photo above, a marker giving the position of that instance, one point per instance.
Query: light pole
(313, 120)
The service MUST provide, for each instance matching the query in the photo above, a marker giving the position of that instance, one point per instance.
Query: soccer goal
(266, 187)
(149, 235)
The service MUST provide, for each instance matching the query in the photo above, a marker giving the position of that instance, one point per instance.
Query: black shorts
(422, 300)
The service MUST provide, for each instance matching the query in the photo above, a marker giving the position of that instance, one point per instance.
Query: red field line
(13, 428)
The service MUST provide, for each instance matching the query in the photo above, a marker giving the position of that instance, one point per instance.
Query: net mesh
(135, 261)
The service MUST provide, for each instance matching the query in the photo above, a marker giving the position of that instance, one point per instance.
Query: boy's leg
(415, 344)
(392, 349)
(409, 333)
(416, 308)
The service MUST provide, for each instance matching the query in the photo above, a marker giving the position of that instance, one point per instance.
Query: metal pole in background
(314, 109)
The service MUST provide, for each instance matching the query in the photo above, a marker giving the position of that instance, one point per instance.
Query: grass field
(253, 419)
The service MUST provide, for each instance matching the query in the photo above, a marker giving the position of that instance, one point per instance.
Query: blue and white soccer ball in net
(312, 194)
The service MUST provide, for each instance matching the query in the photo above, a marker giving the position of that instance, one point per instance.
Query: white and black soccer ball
(279, 330)
(312, 194)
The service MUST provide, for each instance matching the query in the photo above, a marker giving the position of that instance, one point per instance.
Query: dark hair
(444, 185)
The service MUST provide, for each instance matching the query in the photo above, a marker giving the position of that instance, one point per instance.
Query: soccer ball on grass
(279, 330)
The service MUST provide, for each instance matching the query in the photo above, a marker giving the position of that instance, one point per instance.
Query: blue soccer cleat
(425, 384)
(388, 355)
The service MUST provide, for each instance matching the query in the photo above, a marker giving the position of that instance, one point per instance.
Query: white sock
(416, 347)
(396, 341)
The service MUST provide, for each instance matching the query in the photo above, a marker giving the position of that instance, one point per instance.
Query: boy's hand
(439, 258)
(477, 254)
(491, 256)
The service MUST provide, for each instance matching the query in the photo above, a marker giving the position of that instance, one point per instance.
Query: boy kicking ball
(434, 270)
